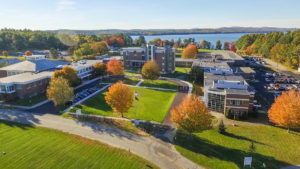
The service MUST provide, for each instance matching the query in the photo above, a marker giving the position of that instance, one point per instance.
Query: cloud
(65, 5)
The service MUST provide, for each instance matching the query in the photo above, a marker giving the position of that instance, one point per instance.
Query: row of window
(84, 70)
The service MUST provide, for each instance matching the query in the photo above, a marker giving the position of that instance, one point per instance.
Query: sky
(147, 14)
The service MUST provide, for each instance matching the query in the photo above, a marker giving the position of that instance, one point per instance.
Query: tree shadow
(242, 138)
(212, 150)
(18, 117)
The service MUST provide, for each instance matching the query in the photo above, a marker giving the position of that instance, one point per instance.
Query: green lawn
(36, 147)
(274, 147)
(159, 84)
(32, 101)
(179, 73)
(152, 105)
(131, 73)
(13, 57)
(126, 80)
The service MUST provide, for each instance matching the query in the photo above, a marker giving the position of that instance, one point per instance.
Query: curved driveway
(156, 151)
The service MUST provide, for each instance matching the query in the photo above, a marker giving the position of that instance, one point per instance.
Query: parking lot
(269, 84)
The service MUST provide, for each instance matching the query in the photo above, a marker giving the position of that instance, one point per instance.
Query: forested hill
(175, 31)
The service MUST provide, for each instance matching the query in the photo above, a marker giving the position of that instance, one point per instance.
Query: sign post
(248, 161)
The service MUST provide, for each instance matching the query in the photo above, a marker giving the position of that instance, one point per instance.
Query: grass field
(36, 147)
(13, 57)
(152, 105)
(126, 80)
(32, 101)
(274, 147)
(179, 73)
(159, 84)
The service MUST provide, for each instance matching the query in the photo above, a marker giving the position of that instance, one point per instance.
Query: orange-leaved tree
(249, 50)
(190, 51)
(99, 69)
(115, 67)
(69, 74)
(4, 53)
(28, 53)
(226, 45)
(285, 111)
(119, 97)
(191, 115)
(150, 70)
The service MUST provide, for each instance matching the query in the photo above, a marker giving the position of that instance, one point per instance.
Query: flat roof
(25, 77)
(210, 77)
(211, 64)
(84, 63)
(227, 55)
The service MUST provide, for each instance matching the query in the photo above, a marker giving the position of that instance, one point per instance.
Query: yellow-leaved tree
(150, 70)
(285, 111)
(191, 115)
(119, 97)
(59, 91)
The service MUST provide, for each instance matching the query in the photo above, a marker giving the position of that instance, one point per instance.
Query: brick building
(135, 57)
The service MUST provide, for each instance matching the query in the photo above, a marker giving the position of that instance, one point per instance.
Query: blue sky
(147, 14)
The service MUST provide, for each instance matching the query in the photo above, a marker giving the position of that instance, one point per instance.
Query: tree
(226, 45)
(99, 48)
(28, 53)
(191, 115)
(285, 110)
(53, 53)
(59, 91)
(150, 70)
(115, 67)
(69, 74)
(119, 97)
(249, 50)
(100, 69)
(218, 45)
(4, 53)
(221, 127)
(196, 75)
(232, 48)
(204, 44)
(84, 50)
(190, 51)
(140, 41)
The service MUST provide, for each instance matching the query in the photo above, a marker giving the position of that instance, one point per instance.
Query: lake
(212, 38)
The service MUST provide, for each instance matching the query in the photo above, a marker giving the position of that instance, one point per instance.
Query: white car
(268, 80)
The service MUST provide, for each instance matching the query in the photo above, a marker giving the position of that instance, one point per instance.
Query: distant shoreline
(193, 33)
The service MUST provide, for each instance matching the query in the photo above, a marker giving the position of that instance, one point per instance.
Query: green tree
(196, 75)
(53, 53)
(140, 41)
(221, 127)
(218, 45)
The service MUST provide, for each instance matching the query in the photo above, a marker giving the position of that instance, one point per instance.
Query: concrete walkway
(162, 154)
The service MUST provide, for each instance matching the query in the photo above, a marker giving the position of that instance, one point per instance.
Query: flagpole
(134, 106)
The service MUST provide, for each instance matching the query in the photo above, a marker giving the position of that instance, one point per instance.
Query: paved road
(162, 154)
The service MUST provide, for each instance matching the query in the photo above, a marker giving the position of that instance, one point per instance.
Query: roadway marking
(171, 160)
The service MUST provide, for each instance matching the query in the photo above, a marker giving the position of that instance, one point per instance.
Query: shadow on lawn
(17, 117)
(242, 138)
(212, 150)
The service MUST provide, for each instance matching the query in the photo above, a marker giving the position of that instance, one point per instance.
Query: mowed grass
(159, 84)
(36, 147)
(180, 73)
(274, 147)
(31, 101)
(152, 105)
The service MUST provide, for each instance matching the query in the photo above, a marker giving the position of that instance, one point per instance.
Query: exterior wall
(165, 58)
(239, 103)
(3, 73)
(31, 89)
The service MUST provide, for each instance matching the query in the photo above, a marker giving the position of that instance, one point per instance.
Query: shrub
(221, 127)
(228, 113)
